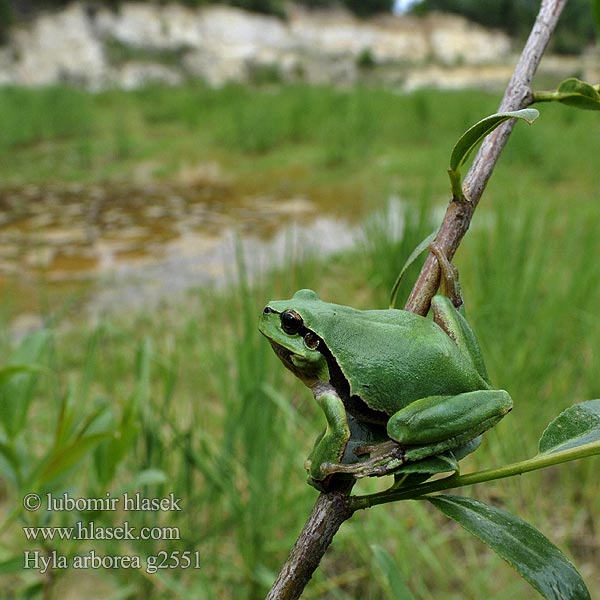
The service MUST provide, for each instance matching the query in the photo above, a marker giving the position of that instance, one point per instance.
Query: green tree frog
(395, 387)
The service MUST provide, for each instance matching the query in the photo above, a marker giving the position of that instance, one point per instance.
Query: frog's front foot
(342, 447)
(390, 458)
(322, 475)
(383, 458)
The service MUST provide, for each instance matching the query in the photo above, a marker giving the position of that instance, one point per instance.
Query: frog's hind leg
(450, 318)
(432, 425)
(457, 329)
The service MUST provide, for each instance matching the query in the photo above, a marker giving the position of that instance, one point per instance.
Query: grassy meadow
(188, 398)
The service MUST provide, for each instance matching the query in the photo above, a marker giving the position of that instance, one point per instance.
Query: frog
(395, 387)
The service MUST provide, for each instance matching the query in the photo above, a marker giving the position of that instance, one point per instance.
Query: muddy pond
(126, 246)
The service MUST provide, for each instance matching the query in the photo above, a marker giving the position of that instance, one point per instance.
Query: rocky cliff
(97, 47)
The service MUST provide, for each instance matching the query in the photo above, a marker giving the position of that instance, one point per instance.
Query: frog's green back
(389, 357)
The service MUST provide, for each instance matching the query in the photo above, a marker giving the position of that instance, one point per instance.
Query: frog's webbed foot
(384, 458)
(339, 451)
(404, 462)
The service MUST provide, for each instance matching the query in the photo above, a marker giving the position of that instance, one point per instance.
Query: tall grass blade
(18, 384)
(395, 584)
(409, 261)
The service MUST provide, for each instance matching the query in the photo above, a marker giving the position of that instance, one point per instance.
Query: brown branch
(328, 513)
(333, 508)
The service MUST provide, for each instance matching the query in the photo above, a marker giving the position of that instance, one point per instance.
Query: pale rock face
(150, 26)
(346, 36)
(221, 44)
(242, 33)
(455, 41)
(435, 76)
(58, 47)
(7, 75)
(133, 75)
(231, 40)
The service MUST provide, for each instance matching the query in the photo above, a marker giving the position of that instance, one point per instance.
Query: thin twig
(333, 508)
(452, 482)
(458, 216)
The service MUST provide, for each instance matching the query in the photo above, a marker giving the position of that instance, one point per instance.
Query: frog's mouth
(284, 355)
(307, 374)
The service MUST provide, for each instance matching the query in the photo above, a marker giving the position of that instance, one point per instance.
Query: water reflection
(73, 231)
(139, 243)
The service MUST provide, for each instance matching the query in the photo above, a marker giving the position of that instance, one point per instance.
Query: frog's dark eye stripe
(291, 321)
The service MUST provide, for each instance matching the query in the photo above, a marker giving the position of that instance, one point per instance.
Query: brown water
(127, 245)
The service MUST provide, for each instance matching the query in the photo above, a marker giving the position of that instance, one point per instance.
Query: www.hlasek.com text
(90, 531)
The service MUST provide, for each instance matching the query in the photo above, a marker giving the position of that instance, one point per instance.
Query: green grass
(322, 129)
(190, 399)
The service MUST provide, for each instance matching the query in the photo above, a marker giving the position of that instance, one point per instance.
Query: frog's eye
(291, 321)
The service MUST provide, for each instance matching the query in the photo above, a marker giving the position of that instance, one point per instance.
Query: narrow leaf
(12, 566)
(576, 426)
(393, 577)
(477, 132)
(18, 381)
(147, 477)
(61, 460)
(527, 550)
(9, 371)
(442, 463)
(10, 464)
(409, 261)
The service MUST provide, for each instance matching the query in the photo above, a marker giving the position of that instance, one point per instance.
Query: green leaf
(394, 581)
(533, 555)
(109, 454)
(441, 463)
(148, 477)
(577, 426)
(10, 464)
(9, 371)
(477, 132)
(61, 460)
(18, 380)
(12, 566)
(579, 94)
(572, 92)
(409, 261)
